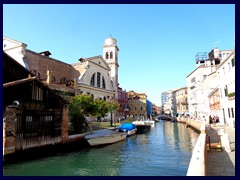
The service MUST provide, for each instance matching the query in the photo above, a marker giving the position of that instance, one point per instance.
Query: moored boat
(142, 126)
(104, 137)
(128, 128)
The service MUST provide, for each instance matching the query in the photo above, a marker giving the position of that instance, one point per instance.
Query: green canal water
(163, 151)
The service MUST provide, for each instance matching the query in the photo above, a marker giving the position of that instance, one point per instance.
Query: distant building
(123, 102)
(137, 103)
(181, 100)
(154, 110)
(169, 102)
(149, 108)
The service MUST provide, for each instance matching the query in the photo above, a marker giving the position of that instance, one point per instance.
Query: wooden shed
(33, 114)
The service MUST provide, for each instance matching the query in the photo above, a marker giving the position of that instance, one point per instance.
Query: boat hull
(131, 132)
(106, 140)
(143, 128)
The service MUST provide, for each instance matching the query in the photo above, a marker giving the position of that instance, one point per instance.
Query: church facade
(96, 76)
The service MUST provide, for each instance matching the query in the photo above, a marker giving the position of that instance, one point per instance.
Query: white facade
(16, 50)
(197, 94)
(202, 81)
(110, 54)
(94, 78)
(226, 80)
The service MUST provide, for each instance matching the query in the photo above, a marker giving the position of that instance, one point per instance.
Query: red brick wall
(59, 69)
(65, 124)
(9, 136)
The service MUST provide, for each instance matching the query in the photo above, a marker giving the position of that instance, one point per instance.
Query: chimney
(45, 53)
(49, 77)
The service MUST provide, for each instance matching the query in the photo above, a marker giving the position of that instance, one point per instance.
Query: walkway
(222, 163)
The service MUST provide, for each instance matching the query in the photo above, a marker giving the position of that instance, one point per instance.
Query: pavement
(221, 163)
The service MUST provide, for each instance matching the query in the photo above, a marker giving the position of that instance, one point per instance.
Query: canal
(163, 151)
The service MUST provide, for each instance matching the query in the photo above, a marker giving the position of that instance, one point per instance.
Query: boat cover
(127, 126)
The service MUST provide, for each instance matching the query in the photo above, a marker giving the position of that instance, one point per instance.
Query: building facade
(202, 80)
(137, 103)
(226, 84)
(181, 100)
(123, 102)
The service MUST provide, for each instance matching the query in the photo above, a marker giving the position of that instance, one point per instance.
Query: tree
(112, 106)
(81, 105)
(101, 108)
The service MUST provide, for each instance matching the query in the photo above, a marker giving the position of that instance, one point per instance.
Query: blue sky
(157, 42)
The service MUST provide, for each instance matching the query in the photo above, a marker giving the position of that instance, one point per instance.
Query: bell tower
(110, 54)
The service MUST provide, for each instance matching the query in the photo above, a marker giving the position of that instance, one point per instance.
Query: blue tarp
(127, 126)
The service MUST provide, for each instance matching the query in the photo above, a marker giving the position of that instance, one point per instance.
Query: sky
(157, 42)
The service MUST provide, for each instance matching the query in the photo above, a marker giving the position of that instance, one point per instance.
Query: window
(106, 55)
(225, 90)
(229, 115)
(103, 83)
(53, 79)
(92, 83)
(193, 80)
(233, 62)
(98, 79)
(111, 55)
(204, 77)
(63, 80)
(232, 112)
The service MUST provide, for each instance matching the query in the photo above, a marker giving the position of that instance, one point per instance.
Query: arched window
(92, 83)
(111, 55)
(53, 79)
(104, 98)
(103, 83)
(63, 80)
(98, 79)
(106, 55)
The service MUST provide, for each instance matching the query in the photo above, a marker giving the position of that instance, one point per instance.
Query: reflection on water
(163, 151)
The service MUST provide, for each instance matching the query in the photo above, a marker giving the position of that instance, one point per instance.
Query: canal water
(163, 151)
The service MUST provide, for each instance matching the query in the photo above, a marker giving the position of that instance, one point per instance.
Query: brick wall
(59, 69)
(9, 135)
(65, 124)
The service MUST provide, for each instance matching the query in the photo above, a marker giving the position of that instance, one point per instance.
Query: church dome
(110, 41)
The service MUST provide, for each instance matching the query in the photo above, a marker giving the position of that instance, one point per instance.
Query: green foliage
(232, 94)
(81, 105)
(84, 104)
(101, 108)
(112, 106)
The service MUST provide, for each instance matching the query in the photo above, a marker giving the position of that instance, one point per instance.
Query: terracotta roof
(60, 87)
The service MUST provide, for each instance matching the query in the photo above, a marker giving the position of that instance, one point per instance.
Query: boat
(151, 122)
(174, 119)
(165, 117)
(128, 128)
(104, 137)
(142, 126)
(156, 120)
